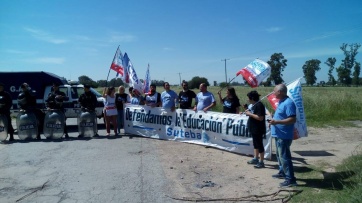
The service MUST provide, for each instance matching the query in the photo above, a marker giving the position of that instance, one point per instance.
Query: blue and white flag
(125, 62)
(295, 93)
(132, 75)
(147, 81)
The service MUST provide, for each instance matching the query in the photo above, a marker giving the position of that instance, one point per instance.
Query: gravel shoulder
(201, 173)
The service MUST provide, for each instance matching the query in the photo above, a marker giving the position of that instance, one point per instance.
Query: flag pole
(227, 84)
(111, 66)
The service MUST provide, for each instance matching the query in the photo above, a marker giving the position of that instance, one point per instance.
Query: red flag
(273, 101)
(117, 62)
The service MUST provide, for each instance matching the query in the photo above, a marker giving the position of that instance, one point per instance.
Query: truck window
(63, 89)
(74, 93)
(80, 91)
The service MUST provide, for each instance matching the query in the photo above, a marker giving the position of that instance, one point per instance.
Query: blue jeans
(285, 158)
(120, 120)
(277, 155)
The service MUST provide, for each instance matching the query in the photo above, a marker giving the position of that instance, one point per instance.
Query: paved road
(78, 170)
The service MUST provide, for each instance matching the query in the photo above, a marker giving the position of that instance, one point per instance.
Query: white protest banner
(220, 130)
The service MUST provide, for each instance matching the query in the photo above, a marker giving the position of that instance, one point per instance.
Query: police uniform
(88, 100)
(27, 101)
(55, 101)
(5, 106)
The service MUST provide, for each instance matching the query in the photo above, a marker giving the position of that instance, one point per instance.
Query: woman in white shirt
(110, 109)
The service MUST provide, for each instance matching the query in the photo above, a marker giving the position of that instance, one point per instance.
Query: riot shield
(3, 127)
(27, 125)
(87, 123)
(54, 123)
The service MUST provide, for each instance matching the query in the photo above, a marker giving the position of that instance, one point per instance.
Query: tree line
(348, 72)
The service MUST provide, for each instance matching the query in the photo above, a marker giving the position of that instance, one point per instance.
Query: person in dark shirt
(257, 128)
(26, 98)
(185, 96)
(87, 100)
(27, 101)
(55, 101)
(231, 102)
(5, 105)
(121, 98)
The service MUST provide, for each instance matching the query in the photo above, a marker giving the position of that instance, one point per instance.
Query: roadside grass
(342, 185)
(324, 106)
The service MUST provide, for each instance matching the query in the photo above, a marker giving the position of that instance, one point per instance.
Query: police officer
(27, 101)
(55, 101)
(88, 102)
(5, 106)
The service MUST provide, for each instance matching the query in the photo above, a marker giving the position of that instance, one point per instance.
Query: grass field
(343, 185)
(324, 106)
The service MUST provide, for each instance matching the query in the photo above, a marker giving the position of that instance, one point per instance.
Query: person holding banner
(282, 128)
(231, 102)
(136, 98)
(153, 98)
(185, 96)
(130, 92)
(204, 100)
(257, 128)
(121, 98)
(169, 97)
(110, 110)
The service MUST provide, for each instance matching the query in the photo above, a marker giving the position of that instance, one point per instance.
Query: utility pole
(179, 74)
(226, 78)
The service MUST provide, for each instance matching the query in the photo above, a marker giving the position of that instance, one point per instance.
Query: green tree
(309, 69)
(223, 84)
(196, 81)
(356, 73)
(277, 64)
(87, 80)
(115, 82)
(84, 79)
(157, 82)
(330, 63)
(345, 69)
(102, 83)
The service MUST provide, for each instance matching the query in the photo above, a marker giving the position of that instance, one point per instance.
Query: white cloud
(329, 34)
(167, 48)
(12, 51)
(116, 37)
(314, 53)
(47, 60)
(44, 36)
(82, 37)
(274, 29)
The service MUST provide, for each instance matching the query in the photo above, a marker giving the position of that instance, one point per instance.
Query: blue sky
(184, 38)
